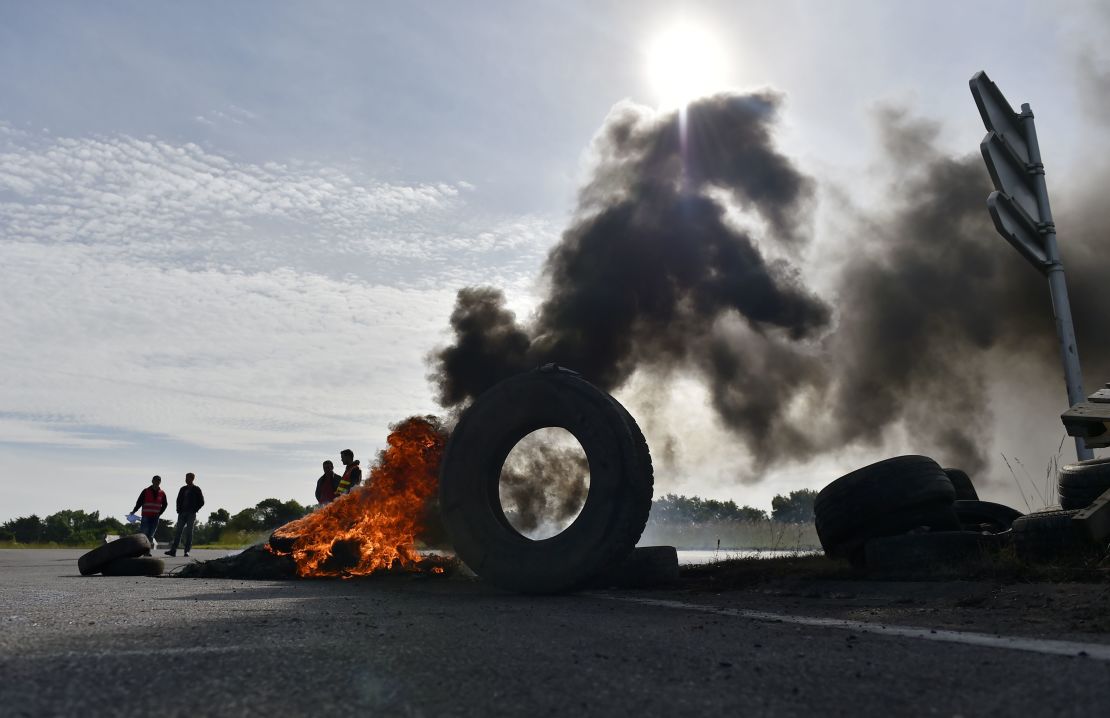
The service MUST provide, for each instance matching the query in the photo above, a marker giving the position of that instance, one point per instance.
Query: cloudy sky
(230, 234)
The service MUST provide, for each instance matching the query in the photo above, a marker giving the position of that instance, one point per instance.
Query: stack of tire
(1050, 536)
(905, 513)
(1081, 483)
(126, 556)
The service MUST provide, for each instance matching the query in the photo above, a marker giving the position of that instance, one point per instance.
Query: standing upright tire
(1083, 482)
(883, 499)
(123, 547)
(616, 507)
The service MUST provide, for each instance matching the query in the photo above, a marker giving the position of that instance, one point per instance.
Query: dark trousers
(148, 526)
(185, 522)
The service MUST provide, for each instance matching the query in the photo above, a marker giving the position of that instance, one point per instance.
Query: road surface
(397, 646)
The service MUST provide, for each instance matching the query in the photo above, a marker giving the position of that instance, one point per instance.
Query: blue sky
(231, 232)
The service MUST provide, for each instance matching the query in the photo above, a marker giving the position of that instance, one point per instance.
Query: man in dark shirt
(190, 499)
(326, 485)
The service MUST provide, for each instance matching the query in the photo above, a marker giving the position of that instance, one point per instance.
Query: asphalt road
(73, 645)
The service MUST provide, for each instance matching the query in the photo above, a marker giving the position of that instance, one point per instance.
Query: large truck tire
(135, 566)
(645, 567)
(961, 482)
(887, 498)
(123, 547)
(616, 507)
(1083, 482)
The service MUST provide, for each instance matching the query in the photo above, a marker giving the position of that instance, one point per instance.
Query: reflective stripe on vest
(152, 506)
(345, 482)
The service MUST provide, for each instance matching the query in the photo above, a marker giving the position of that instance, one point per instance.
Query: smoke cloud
(544, 483)
(684, 255)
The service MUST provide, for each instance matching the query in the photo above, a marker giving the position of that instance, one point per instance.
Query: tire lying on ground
(616, 507)
(985, 516)
(887, 498)
(961, 482)
(123, 547)
(924, 552)
(1051, 536)
(137, 566)
(1083, 482)
(645, 567)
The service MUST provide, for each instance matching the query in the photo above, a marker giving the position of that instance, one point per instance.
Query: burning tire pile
(373, 529)
(907, 514)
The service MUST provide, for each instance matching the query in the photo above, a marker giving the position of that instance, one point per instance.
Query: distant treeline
(75, 527)
(79, 527)
(794, 508)
(690, 522)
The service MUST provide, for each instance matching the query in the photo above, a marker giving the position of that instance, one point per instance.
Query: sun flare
(685, 61)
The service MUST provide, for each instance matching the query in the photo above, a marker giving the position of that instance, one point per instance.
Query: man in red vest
(153, 502)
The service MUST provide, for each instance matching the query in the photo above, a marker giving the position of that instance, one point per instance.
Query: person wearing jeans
(190, 499)
(153, 502)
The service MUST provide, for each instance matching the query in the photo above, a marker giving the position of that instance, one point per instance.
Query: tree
(219, 518)
(246, 521)
(694, 509)
(164, 532)
(273, 513)
(796, 508)
(26, 529)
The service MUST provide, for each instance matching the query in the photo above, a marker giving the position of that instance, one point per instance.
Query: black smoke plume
(684, 256)
(652, 264)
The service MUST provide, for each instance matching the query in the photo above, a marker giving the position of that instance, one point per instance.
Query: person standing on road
(352, 477)
(327, 484)
(190, 499)
(153, 501)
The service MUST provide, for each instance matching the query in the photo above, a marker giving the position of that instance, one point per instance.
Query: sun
(685, 61)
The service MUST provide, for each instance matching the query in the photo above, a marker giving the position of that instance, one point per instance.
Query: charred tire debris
(1081, 483)
(616, 507)
(125, 547)
(986, 516)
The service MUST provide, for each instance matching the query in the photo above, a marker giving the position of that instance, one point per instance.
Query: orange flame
(374, 527)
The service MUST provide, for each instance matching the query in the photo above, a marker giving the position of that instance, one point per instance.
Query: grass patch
(999, 567)
(48, 544)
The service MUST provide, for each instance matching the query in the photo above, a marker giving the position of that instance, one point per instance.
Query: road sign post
(1022, 215)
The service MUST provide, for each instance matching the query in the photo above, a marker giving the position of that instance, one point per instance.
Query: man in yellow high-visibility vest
(352, 476)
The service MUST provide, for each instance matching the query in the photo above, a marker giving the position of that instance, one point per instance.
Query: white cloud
(161, 300)
(153, 196)
(216, 358)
